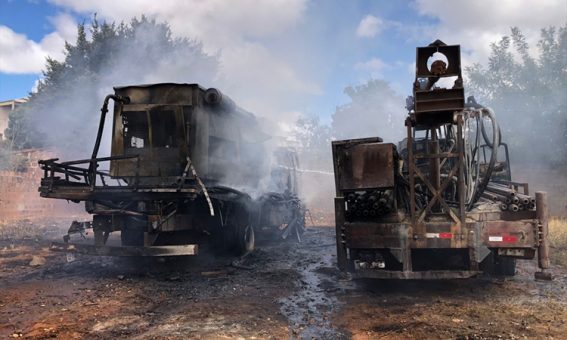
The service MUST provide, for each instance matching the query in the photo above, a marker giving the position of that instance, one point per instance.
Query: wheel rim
(248, 238)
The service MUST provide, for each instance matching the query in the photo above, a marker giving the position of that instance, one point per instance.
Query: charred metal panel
(176, 222)
(223, 145)
(200, 130)
(164, 93)
(497, 214)
(436, 105)
(451, 52)
(443, 234)
(510, 234)
(153, 125)
(163, 124)
(439, 102)
(362, 165)
(155, 133)
(373, 235)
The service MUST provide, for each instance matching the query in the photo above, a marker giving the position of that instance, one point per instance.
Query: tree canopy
(375, 109)
(526, 87)
(64, 111)
(314, 142)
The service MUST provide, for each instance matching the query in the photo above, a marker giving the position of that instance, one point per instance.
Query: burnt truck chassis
(157, 212)
(114, 206)
(433, 211)
(399, 245)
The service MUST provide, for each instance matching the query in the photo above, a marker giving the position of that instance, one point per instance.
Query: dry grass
(23, 229)
(558, 240)
(34, 228)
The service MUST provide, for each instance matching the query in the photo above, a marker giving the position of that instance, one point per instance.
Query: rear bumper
(88, 249)
(407, 275)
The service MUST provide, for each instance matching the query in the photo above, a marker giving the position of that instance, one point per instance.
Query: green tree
(314, 143)
(526, 88)
(64, 112)
(375, 109)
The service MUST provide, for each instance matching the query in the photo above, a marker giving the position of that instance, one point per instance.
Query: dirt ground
(281, 290)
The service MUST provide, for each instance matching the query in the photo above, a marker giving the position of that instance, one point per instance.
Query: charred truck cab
(440, 204)
(183, 163)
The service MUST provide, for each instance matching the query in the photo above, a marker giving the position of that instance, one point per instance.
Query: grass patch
(38, 228)
(558, 240)
(18, 230)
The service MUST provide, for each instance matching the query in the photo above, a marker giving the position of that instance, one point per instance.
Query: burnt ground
(281, 290)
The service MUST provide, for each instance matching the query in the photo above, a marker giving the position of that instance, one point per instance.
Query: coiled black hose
(494, 144)
(485, 135)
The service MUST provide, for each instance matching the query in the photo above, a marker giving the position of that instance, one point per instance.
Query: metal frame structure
(428, 236)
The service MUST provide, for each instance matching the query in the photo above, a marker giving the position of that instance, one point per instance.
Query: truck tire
(245, 240)
(132, 234)
(238, 234)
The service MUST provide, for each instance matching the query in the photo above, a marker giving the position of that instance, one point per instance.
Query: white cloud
(476, 24)
(65, 26)
(215, 22)
(369, 26)
(486, 14)
(18, 54)
(252, 63)
(373, 66)
(259, 77)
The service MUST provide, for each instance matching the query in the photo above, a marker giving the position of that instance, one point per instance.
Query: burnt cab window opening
(136, 132)
(159, 133)
(163, 128)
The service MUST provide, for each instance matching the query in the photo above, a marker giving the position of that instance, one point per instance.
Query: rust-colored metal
(433, 181)
(542, 211)
(357, 157)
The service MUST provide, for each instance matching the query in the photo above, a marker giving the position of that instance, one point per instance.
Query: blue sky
(314, 48)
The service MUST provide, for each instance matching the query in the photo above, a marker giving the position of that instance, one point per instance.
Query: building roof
(13, 101)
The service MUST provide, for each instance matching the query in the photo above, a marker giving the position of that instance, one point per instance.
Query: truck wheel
(132, 234)
(245, 239)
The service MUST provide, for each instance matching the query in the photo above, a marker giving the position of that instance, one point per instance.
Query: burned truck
(187, 167)
(442, 203)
